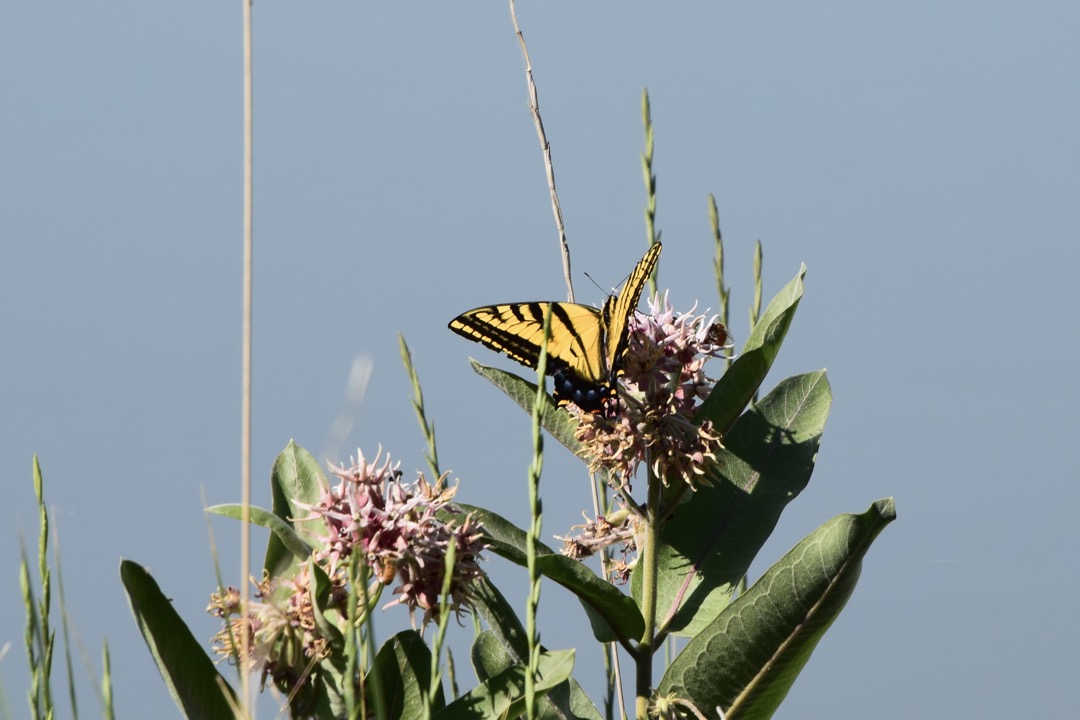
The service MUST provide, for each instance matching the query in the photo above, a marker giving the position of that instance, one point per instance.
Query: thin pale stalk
(300, 681)
(545, 147)
(246, 704)
(613, 692)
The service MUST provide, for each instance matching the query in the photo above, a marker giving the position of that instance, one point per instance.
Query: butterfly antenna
(611, 292)
(593, 281)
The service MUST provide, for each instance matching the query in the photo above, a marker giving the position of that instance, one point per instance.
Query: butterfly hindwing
(585, 345)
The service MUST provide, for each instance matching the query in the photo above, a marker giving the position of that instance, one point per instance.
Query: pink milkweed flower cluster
(400, 531)
(653, 419)
(282, 638)
(397, 529)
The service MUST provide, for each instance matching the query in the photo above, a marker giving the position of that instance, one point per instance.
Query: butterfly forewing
(517, 329)
(620, 308)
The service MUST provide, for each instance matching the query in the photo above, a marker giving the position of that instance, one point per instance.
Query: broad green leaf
(567, 700)
(502, 621)
(329, 688)
(489, 656)
(557, 421)
(736, 387)
(196, 686)
(402, 669)
(502, 696)
(264, 518)
(614, 615)
(295, 477)
(746, 660)
(710, 540)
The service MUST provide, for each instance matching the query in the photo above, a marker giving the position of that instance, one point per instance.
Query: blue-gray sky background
(922, 159)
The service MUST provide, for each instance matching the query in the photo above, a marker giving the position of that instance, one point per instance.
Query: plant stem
(246, 700)
(646, 648)
(440, 635)
(532, 539)
(428, 428)
(545, 148)
(651, 233)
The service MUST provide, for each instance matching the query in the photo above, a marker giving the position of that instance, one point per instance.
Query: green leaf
(736, 387)
(264, 518)
(489, 656)
(402, 668)
(557, 421)
(567, 700)
(196, 686)
(294, 478)
(328, 687)
(502, 621)
(614, 615)
(710, 540)
(746, 660)
(502, 696)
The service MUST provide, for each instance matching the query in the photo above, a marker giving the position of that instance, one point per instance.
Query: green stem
(428, 428)
(651, 233)
(358, 576)
(646, 647)
(435, 681)
(532, 539)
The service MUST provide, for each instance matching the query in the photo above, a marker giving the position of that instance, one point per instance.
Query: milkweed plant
(693, 470)
(695, 473)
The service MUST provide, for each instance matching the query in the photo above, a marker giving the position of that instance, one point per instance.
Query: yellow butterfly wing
(517, 329)
(585, 345)
(615, 317)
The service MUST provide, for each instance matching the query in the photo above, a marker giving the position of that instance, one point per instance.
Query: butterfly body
(585, 346)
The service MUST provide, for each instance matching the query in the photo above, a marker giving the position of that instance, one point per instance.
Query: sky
(922, 159)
